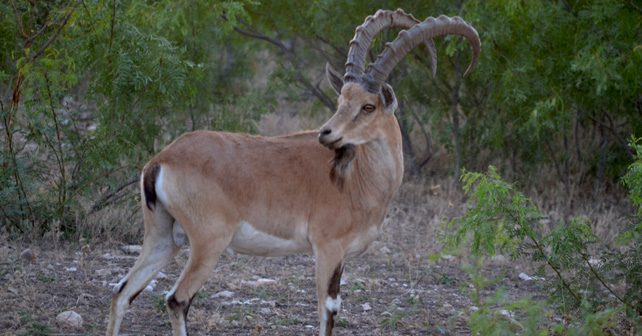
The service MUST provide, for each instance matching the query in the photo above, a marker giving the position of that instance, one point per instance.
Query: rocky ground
(396, 288)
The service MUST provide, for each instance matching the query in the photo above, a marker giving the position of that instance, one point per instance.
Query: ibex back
(322, 192)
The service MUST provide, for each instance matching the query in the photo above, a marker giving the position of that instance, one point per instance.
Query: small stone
(223, 294)
(265, 311)
(259, 282)
(499, 259)
(527, 277)
(474, 308)
(595, 262)
(150, 287)
(71, 269)
(161, 275)
(103, 272)
(265, 281)
(448, 257)
(506, 313)
(131, 249)
(70, 318)
(366, 307)
(385, 250)
(28, 255)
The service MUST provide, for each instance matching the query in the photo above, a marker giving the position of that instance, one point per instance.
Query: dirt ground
(393, 289)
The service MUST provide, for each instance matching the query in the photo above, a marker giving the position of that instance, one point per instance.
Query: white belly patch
(249, 240)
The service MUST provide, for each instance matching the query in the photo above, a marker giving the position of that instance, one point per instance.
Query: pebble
(527, 277)
(498, 258)
(506, 313)
(259, 282)
(223, 294)
(70, 318)
(103, 272)
(448, 257)
(152, 284)
(131, 249)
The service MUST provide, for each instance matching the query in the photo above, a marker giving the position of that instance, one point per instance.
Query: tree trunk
(454, 110)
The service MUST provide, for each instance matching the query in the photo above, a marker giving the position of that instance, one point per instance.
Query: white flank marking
(160, 192)
(249, 240)
(333, 305)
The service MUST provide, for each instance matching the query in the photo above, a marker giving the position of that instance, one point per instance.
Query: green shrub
(502, 219)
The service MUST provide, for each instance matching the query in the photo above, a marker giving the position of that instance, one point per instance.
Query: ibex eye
(368, 108)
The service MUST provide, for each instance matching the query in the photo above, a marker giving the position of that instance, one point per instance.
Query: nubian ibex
(323, 192)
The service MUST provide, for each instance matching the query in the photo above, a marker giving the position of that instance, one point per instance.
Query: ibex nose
(324, 136)
(327, 138)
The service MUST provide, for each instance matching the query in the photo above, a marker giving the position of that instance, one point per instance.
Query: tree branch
(617, 136)
(113, 23)
(21, 27)
(340, 51)
(55, 35)
(550, 264)
(636, 7)
(291, 57)
(429, 153)
(105, 199)
(262, 37)
(599, 278)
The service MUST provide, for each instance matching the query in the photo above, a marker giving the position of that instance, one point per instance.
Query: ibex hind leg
(212, 240)
(158, 250)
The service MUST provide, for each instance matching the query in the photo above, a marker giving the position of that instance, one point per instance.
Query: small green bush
(586, 271)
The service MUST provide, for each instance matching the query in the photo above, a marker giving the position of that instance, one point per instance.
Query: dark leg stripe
(333, 291)
(176, 306)
(122, 287)
(335, 282)
(330, 323)
(131, 299)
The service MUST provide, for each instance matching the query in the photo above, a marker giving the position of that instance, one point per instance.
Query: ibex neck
(377, 169)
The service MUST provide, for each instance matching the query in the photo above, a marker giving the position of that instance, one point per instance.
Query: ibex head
(365, 99)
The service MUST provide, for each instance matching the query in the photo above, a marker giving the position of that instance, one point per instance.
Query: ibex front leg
(329, 267)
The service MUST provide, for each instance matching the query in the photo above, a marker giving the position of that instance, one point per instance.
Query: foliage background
(90, 90)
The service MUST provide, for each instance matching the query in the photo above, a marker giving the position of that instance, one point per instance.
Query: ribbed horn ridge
(366, 32)
(409, 39)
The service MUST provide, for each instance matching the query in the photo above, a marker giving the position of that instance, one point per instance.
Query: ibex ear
(335, 80)
(388, 98)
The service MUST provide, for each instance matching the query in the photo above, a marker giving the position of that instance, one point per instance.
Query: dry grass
(406, 292)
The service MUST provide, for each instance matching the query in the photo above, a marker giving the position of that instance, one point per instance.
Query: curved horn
(365, 33)
(409, 39)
